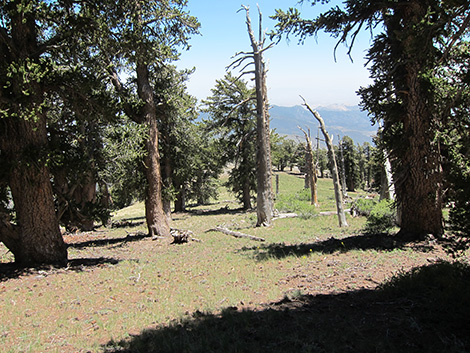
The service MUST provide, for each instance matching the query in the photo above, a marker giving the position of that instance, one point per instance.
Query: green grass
(123, 291)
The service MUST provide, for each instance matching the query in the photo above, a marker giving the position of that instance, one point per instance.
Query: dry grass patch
(128, 293)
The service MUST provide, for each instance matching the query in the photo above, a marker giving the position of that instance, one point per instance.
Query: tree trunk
(416, 162)
(246, 195)
(264, 197)
(36, 238)
(167, 177)
(311, 176)
(334, 167)
(157, 223)
(418, 185)
(343, 170)
(180, 202)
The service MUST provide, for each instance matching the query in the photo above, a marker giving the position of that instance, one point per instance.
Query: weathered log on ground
(235, 234)
(285, 215)
(182, 236)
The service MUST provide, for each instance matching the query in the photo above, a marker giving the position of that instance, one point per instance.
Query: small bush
(298, 203)
(363, 207)
(382, 218)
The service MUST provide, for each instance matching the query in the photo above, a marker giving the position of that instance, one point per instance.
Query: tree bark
(311, 176)
(418, 185)
(264, 197)
(157, 223)
(343, 170)
(36, 238)
(416, 161)
(246, 195)
(331, 153)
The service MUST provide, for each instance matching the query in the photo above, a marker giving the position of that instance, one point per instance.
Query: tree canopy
(412, 40)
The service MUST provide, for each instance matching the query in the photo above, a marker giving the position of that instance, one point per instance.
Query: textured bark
(157, 223)
(419, 181)
(264, 197)
(36, 238)
(416, 159)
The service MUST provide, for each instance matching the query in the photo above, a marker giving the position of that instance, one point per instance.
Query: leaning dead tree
(264, 197)
(311, 169)
(334, 167)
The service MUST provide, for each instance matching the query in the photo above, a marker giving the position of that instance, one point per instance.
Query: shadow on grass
(128, 222)
(356, 242)
(109, 241)
(219, 211)
(426, 310)
(12, 270)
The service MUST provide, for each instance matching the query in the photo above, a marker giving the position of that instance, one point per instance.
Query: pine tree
(416, 39)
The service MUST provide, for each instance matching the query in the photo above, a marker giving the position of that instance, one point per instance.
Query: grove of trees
(418, 50)
(94, 116)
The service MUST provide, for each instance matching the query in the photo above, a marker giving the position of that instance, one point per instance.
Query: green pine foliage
(232, 121)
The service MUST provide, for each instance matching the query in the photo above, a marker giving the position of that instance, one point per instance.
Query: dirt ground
(330, 304)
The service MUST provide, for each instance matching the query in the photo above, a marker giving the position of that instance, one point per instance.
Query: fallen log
(285, 215)
(235, 234)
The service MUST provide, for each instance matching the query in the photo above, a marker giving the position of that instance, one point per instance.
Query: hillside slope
(339, 120)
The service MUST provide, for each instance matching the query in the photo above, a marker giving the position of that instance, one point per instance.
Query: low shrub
(363, 207)
(298, 203)
(382, 217)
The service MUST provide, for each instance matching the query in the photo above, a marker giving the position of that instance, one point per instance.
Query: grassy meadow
(310, 287)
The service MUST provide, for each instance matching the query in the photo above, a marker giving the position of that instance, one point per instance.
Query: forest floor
(310, 287)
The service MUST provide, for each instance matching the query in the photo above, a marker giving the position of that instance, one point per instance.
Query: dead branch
(235, 234)
(285, 215)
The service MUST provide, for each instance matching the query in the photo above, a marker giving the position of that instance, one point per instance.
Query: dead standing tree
(311, 169)
(264, 197)
(334, 167)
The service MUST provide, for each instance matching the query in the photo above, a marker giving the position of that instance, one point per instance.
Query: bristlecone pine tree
(414, 38)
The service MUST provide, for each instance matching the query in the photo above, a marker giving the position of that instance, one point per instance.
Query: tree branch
(463, 27)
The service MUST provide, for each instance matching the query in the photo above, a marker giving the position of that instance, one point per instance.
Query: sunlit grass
(151, 283)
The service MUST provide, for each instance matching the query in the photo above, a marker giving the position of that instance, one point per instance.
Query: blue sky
(308, 70)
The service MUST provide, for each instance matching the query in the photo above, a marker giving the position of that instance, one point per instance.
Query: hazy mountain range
(339, 120)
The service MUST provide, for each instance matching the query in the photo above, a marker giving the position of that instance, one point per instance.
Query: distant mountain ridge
(339, 120)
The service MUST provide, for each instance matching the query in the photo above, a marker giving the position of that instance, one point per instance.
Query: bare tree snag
(343, 169)
(334, 167)
(236, 234)
(311, 169)
(264, 197)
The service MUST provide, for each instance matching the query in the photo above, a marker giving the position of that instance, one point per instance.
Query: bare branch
(463, 27)
(238, 62)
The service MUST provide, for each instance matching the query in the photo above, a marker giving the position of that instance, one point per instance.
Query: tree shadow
(415, 313)
(128, 222)
(109, 241)
(383, 242)
(12, 270)
(219, 211)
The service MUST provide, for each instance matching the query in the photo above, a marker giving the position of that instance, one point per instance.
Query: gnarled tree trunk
(157, 222)
(264, 197)
(36, 238)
